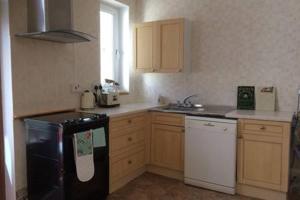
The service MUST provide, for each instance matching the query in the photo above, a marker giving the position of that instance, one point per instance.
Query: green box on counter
(246, 98)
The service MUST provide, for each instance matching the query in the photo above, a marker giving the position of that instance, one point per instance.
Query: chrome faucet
(186, 101)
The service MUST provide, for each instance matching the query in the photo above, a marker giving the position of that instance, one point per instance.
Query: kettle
(87, 100)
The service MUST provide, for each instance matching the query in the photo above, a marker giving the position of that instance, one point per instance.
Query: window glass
(115, 44)
(107, 45)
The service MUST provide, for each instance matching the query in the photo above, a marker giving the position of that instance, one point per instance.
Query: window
(114, 37)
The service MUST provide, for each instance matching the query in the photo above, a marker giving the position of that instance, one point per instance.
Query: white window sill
(124, 92)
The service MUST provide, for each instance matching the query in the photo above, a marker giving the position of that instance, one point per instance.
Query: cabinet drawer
(168, 119)
(260, 127)
(126, 165)
(118, 124)
(127, 140)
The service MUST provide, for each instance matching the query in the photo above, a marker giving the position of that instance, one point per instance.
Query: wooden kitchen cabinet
(167, 146)
(128, 148)
(144, 46)
(159, 46)
(263, 158)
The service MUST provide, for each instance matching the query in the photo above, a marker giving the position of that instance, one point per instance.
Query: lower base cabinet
(263, 158)
(121, 166)
(127, 150)
(145, 141)
(154, 142)
(167, 146)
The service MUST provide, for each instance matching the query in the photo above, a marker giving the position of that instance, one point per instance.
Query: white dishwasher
(210, 153)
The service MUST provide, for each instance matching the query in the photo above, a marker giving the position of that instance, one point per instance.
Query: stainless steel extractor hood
(52, 20)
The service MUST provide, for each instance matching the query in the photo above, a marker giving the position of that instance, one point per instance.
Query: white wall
(234, 42)
(44, 71)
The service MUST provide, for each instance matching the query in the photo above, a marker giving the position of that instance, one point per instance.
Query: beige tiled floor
(154, 187)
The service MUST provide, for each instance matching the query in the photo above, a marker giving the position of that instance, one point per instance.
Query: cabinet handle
(263, 128)
(129, 139)
(240, 137)
(209, 124)
(225, 129)
(183, 130)
(129, 162)
(129, 121)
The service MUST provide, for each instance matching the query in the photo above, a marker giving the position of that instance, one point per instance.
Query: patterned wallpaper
(233, 42)
(44, 71)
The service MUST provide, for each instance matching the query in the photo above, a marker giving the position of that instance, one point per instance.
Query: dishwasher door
(210, 153)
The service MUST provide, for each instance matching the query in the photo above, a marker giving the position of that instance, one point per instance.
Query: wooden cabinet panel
(168, 119)
(159, 46)
(143, 46)
(126, 165)
(123, 125)
(128, 148)
(167, 146)
(171, 45)
(263, 156)
(262, 127)
(263, 168)
(127, 140)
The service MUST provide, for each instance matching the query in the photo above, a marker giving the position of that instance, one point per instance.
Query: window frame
(116, 39)
(122, 42)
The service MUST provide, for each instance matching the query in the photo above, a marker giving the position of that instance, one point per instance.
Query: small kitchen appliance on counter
(109, 94)
(109, 99)
(87, 100)
(51, 162)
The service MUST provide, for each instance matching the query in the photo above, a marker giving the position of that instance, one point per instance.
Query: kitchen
(232, 43)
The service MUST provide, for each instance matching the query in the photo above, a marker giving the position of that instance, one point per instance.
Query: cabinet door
(170, 34)
(261, 162)
(167, 146)
(143, 46)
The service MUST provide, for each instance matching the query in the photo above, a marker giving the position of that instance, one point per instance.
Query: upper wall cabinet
(144, 46)
(159, 46)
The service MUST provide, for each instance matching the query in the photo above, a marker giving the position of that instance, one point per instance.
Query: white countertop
(123, 109)
(261, 115)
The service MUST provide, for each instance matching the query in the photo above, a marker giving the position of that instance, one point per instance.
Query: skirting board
(260, 193)
(209, 186)
(123, 181)
(165, 172)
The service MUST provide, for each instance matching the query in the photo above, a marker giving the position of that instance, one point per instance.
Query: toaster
(109, 99)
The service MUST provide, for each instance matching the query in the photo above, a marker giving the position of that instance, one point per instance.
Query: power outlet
(76, 88)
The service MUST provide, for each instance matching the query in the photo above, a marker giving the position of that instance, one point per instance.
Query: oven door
(98, 187)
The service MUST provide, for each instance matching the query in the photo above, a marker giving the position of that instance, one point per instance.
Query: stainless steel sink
(206, 110)
(182, 109)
